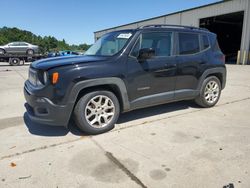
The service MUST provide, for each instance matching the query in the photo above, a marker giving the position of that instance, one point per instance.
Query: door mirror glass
(146, 53)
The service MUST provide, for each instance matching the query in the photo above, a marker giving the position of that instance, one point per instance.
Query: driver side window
(161, 42)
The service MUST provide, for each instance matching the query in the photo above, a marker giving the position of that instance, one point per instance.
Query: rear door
(22, 47)
(191, 61)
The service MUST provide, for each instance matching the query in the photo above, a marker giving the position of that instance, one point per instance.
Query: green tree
(46, 44)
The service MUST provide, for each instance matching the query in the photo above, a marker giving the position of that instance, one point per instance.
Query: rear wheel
(97, 112)
(14, 61)
(30, 52)
(210, 92)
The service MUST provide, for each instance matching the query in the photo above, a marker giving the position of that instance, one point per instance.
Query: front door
(152, 81)
(13, 47)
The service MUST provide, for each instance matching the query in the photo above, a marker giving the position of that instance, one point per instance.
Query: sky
(76, 20)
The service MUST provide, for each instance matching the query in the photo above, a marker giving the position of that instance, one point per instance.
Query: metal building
(230, 20)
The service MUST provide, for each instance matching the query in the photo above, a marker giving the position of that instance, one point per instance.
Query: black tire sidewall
(79, 112)
(14, 64)
(204, 101)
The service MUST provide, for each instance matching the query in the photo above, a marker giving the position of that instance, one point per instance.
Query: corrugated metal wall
(192, 18)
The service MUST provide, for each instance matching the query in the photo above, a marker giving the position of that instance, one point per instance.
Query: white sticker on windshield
(124, 35)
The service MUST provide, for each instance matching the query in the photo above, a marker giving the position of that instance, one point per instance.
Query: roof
(163, 15)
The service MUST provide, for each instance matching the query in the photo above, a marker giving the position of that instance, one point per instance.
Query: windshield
(109, 44)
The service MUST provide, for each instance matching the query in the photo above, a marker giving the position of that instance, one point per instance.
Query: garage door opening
(228, 28)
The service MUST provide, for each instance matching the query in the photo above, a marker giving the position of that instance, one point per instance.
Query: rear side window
(188, 43)
(23, 44)
(205, 42)
(161, 42)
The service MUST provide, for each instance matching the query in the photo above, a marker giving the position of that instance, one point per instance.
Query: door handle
(167, 67)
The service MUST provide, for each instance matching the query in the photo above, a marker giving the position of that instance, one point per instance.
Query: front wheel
(97, 112)
(2, 51)
(210, 92)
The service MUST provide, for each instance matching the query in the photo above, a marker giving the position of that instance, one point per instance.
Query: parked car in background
(68, 53)
(53, 54)
(62, 53)
(19, 48)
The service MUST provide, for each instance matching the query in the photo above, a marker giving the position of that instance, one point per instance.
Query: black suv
(126, 70)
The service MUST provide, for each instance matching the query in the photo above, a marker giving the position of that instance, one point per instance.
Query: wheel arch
(217, 75)
(115, 85)
(219, 72)
(3, 50)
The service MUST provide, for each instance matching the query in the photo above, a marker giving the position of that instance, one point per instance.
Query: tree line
(46, 43)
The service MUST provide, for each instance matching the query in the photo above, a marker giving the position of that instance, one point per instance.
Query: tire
(14, 61)
(97, 112)
(210, 92)
(30, 52)
(2, 51)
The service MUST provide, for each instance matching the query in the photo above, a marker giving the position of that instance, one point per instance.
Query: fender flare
(220, 70)
(119, 83)
(3, 50)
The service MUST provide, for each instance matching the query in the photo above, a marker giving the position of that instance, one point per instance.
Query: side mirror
(146, 53)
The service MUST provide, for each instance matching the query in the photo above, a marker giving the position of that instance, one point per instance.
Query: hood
(48, 63)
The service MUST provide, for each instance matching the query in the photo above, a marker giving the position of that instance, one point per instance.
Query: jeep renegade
(126, 70)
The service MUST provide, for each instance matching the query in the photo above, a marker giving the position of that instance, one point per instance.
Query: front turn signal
(55, 77)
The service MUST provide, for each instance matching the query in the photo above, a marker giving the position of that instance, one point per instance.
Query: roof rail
(171, 26)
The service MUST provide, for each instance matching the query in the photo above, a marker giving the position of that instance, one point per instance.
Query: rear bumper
(44, 111)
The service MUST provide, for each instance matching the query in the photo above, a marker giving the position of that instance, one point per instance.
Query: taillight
(223, 58)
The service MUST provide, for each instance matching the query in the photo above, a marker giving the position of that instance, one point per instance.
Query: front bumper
(44, 111)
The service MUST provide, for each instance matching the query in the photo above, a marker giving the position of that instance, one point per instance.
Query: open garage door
(228, 28)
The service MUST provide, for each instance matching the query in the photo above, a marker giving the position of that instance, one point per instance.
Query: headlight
(38, 78)
(42, 78)
(38, 83)
(45, 77)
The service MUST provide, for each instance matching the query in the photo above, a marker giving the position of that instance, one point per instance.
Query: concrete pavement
(172, 145)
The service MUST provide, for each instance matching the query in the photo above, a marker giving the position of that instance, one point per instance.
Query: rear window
(205, 42)
(23, 44)
(188, 43)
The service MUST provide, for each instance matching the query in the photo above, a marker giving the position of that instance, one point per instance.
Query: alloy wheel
(99, 111)
(212, 91)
